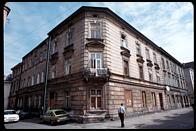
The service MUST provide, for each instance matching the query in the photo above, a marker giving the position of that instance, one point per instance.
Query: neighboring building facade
(97, 61)
(7, 86)
(189, 77)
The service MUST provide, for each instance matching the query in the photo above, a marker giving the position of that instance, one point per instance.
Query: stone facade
(189, 77)
(96, 62)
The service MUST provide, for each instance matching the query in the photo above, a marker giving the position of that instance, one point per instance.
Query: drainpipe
(45, 105)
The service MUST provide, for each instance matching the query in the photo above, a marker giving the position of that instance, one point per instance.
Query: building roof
(16, 66)
(39, 45)
(188, 65)
(110, 12)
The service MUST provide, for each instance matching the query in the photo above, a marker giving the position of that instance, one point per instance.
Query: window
(96, 99)
(39, 101)
(147, 54)
(163, 63)
(144, 102)
(38, 78)
(169, 79)
(42, 77)
(153, 97)
(138, 49)
(53, 74)
(128, 98)
(167, 65)
(32, 80)
(67, 67)
(29, 81)
(173, 99)
(141, 74)
(24, 83)
(68, 37)
(95, 30)
(154, 57)
(35, 101)
(126, 67)
(54, 47)
(158, 78)
(67, 99)
(150, 74)
(29, 101)
(124, 41)
(96, 60)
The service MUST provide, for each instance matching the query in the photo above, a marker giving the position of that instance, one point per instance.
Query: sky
(168, 24)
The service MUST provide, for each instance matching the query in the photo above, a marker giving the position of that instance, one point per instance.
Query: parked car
(55, 116)
(23, 114)
(10, 116)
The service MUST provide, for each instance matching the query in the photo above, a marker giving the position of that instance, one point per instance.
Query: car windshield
(9, 112)
(59, 112)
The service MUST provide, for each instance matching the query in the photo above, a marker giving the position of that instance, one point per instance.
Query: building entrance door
(161, 101)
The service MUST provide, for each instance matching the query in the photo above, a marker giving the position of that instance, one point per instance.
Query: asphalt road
(173, 119)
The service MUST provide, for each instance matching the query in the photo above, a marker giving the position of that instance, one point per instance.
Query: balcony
(125, 51)
(92, 73)
(149, 63)
(94, 43)
(140, 59)
(156, 66)
(54, 58)
(68, 51)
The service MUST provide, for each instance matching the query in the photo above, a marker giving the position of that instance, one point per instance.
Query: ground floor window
(67, 99)
(96, 98)
(144, 102)
(153, 97)
(128, 98)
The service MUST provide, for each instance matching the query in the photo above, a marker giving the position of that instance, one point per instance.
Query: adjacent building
(91, 63)
(189, 77)
(7, 86)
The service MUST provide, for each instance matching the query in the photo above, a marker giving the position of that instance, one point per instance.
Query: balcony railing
(93, 73)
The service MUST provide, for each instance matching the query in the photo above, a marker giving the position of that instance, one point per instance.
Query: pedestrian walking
(121, 113)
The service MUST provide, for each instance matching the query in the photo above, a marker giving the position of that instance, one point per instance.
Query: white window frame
(38, 78)
(124, 42)
(32, 80)
(67, 67)
(147, 54)
(53, 74)
(154, 57)
(98, 32)
(42, 77)
(138, 46)
(96, 99)
(96, 60)
(68, 36)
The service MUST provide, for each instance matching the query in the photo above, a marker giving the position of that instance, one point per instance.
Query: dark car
(24, 114)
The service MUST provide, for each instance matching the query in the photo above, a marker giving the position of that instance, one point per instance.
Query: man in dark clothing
(121, 112)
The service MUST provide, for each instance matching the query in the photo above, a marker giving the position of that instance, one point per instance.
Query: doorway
(161, 101)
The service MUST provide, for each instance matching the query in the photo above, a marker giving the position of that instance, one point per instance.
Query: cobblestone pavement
(172, 119)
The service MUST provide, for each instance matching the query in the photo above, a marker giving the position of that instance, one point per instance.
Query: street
(172, 119)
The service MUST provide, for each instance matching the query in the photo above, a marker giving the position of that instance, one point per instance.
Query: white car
(10, 116)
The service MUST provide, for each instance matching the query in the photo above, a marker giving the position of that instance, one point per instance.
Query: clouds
(167, 24)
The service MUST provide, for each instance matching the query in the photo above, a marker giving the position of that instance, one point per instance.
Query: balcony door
(96, 60)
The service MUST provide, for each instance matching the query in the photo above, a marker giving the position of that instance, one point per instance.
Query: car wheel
(52, 122)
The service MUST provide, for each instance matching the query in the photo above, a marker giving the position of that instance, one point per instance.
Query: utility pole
(45, 103)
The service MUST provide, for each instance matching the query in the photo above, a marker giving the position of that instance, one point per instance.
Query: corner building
(97, 61)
